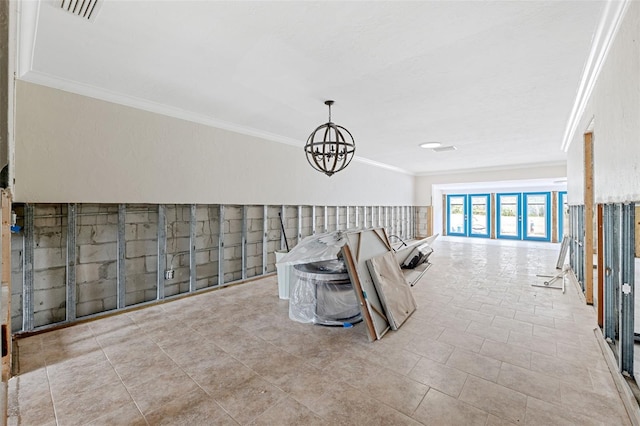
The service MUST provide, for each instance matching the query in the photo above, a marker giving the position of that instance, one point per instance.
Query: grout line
(119, 376)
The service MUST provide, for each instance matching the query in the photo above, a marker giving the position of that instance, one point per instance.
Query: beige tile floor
(484, 347)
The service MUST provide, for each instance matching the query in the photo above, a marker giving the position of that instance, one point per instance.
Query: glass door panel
(509, 216)
(563, 213)
(479, 213)
(536, 216)
(457, 215)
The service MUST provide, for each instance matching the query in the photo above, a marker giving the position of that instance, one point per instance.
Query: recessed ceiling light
(430, 145)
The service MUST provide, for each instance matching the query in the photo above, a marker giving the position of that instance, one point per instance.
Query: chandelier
(330, 148)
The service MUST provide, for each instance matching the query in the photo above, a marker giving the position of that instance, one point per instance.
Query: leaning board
(364, 245)
(563, 252)
(393, 290)
(362, 301)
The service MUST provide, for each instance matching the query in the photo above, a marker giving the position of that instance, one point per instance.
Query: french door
(537, 220)
(469, 215)
(509, 217)
(457, 215)
(524, 216)
(479, 215)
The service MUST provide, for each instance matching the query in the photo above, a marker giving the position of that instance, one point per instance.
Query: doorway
(469, 215)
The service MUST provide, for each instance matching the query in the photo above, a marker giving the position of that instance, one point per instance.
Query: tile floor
(484, 347)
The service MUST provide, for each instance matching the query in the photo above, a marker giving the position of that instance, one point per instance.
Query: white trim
(383, 165)
(28, 15)
(599, 50)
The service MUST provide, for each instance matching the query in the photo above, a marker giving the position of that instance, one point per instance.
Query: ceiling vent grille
(445, 148)
(86, 9)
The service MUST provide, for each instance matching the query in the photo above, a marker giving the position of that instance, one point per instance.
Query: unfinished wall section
(331, 218)
(233, 219)
(96, 270)
(274, 240)
(17, 251)
(49, 263)
(290, 222)
(255, 232)
(141, 253)
(178, 225)
(206, 244)
(423, 221)
(72, 261)
(342, 218)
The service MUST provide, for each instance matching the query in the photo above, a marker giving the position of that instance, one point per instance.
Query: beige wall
(615, 108)
(71, 148)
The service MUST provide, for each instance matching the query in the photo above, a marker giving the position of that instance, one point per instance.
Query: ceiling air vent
(86, 9)
(445, 148)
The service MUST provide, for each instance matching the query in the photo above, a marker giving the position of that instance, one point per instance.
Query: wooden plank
(5, 206)
(588, 218)
(430, 221)
(601, 265)
(357, 287)
(6, 236)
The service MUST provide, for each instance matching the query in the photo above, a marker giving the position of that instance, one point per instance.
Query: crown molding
(603, 38)
(493, 168)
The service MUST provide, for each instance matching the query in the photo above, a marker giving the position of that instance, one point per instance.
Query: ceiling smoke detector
(87, 9)
(445, 148)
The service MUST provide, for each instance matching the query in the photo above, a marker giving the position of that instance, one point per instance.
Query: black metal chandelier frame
(330, 147)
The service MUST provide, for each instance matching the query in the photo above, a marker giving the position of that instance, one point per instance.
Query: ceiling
(497, 79)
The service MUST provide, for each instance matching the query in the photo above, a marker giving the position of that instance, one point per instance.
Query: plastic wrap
(321, 293)
(315, 248)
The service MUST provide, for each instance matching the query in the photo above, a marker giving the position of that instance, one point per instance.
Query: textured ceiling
(496, 79)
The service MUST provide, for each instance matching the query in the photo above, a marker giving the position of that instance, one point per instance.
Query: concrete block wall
(255, 231)
(96, 258)
(178, 225)
(320, 220)
(291, 225)
(207, 234)
(49, 263)
(342, 217)
(273, 237)
(351, 224)
(141, 253)
(331, 218)
(97, 244)
(233, 216)
(307, 224)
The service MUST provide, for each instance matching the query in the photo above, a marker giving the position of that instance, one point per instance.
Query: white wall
(71, 148)
(425, 184)
(615, 107)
